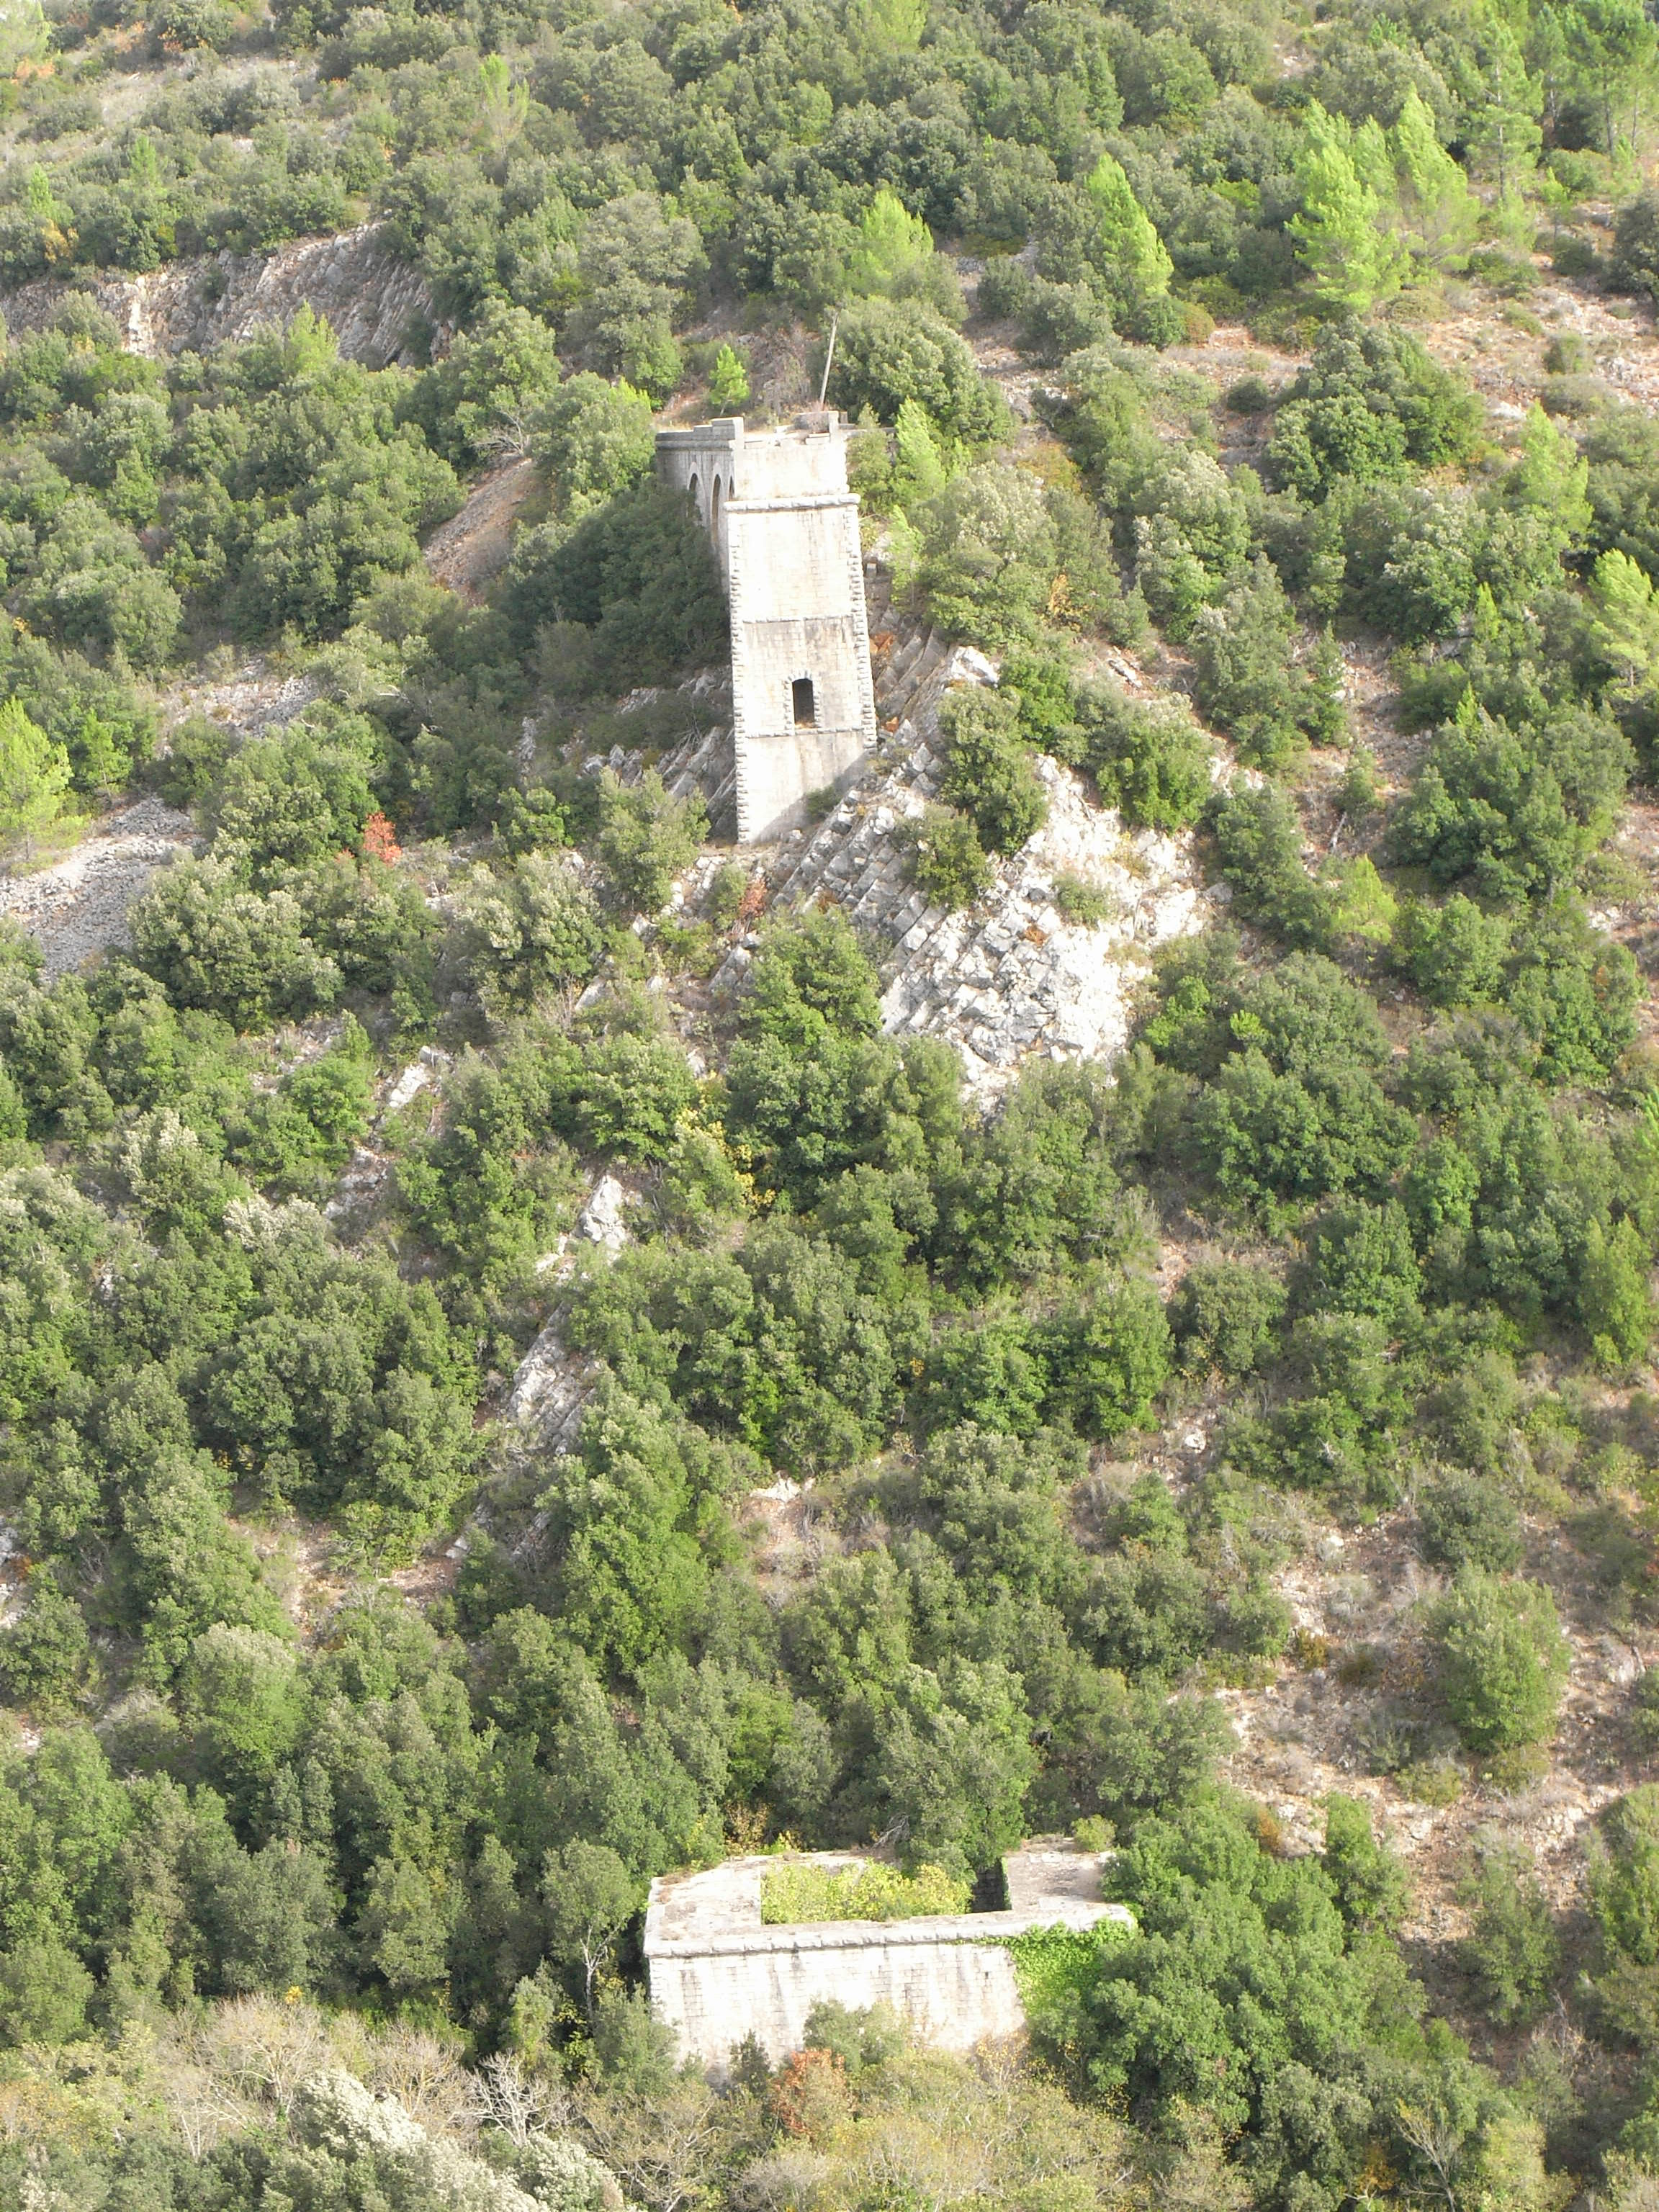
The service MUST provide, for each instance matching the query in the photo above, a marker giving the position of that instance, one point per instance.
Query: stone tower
(785, 532)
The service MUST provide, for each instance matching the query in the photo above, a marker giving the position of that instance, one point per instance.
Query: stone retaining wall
(718, 1974)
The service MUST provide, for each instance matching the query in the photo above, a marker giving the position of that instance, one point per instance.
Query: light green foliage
(891, 242)
(1342, 233)
(1440, 212)
(1127, 245)
(1624, 618)
(34, 774)
(872, 1891)
(728, 381)
(1503, 1660)
(1614, 1298)
(1370, 1882)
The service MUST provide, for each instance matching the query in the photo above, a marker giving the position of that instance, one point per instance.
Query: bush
(647, 836)
(988, 554)
(946, 860)
(1149, 758)
(1084, 904)
(1224, 1316)
(1466, 1520)
(212, 944)
(791, 1894)
(1246, 679)
(1504, 1661)
(1512, 1951)
(1635, 263)
(637, 582)
(1258, 836)
(1624, 1877)
(988, 773)
(887, 351)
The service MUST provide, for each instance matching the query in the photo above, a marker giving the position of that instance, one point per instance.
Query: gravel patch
(78, 906)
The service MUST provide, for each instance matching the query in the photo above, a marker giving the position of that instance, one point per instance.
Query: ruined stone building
(719, 1973)
(786, 533)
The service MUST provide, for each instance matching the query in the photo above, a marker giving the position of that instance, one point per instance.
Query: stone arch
(696, 490)
(714, 505)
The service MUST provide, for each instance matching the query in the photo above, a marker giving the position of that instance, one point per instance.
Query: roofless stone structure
(719, 1974)
(786, 533)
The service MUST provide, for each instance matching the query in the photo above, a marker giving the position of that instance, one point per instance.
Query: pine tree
(728, 385)
(1625, 617)
(891, 241)
(1343, 233)
(1503, 133)
(1551, 476)
(1127, 247)
(1439, 209)
(34, 774)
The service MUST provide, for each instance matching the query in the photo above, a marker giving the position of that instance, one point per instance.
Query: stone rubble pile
(78, 905)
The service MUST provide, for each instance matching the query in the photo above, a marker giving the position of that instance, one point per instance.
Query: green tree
(1440, 212)
(1127, 248)
(647, 835)
(1616, 1297)
(590, 1897)
(34, 774)
(1624, 1875)
(728, 382)
(1512, 1949)
(1623, 615)
(1342, 234)
(1503, 1660)
(594, 440)
(1370, 1883)
(989, 772)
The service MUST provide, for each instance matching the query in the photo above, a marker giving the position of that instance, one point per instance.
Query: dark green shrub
(945, 859)
(1150, 758)
(1512, 1951)
(989, 772)
(1467, 1520)
(1225, 1313)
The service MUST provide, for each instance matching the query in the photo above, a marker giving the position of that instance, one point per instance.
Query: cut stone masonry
(786, 533)
(719, 1973)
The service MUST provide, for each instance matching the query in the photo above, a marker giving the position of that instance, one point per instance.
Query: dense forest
(951, 1463)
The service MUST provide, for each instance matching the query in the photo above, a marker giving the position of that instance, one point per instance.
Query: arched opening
(696, 490)
(714, 505)
(803, 703)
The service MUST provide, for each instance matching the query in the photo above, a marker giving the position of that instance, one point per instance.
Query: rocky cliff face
(380, 309)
